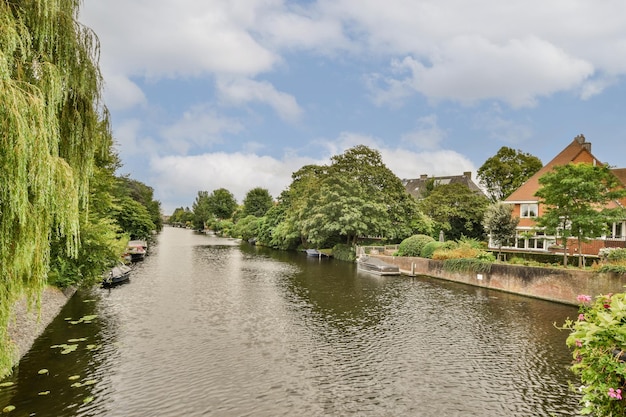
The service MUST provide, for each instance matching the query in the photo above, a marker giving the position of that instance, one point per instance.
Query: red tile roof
(577, 151)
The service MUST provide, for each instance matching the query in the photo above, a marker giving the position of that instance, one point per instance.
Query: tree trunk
(580, 254)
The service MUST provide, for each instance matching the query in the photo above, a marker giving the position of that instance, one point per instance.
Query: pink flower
(579, 343)
(583, 298)
(615, 393)
(581, 317)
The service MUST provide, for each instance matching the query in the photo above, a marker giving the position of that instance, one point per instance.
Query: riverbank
(26, 322)
(560, 285)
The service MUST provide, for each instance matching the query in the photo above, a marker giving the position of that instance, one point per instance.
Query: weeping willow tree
(50, 88)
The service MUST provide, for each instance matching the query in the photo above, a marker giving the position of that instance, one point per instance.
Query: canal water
(209, 327)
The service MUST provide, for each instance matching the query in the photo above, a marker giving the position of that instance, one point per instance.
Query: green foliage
(182, 216)
(598, 339)
(201, 211)
(344, 252)
(50, 119)
(506, 171)
(257, 202)
(499, 223)
(222, 203)
(616, 255)
(413, 245)
(575, 197)
(144, 195)
(133, 218)
(467, 265)
(456, 210)
(246, 228)
(613, 268)
(430, 248)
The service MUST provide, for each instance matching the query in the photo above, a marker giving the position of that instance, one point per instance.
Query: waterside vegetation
(64, 215)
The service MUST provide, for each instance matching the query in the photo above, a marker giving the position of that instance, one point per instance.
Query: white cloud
(469, 69)
(428, 135)
(515, 51)
(121, 93)
(200, 126)
(402, 162)
(241, 91)
(181, 177)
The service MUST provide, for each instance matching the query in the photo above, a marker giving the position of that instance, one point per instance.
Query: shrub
(413, 245)
(430, 248)
(457, 253)
(344, 252)
(614, 255)
(597, 340)
(467, 265)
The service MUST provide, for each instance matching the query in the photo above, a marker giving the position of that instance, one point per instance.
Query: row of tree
(357, 196)
(64, 214)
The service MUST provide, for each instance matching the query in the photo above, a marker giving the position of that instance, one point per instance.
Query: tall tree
(144, 195)
(257, 202)
(456, 209)
(201, 210)
(222, 203)
(500, 224)
(576, 198)
(506, 171)
(50, 111)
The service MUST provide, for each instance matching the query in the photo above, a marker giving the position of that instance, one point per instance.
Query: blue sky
(239, 94)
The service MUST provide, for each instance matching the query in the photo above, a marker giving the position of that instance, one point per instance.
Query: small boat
(314, 253)
(118, 274)
(137, 250)
(376, 266)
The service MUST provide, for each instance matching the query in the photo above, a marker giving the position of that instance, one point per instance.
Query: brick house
(527, 207)
(416, 187)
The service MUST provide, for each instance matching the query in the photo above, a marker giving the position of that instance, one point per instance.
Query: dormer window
(529, 210)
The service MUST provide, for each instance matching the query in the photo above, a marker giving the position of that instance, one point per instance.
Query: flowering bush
(598, 340)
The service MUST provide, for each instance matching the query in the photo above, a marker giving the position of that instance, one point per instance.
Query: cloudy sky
(238, 94)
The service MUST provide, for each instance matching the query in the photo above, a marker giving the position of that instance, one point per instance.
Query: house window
(528, 210)
(617, 230)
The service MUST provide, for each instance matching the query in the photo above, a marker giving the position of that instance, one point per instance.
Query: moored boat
(137, 250)
(118, 274)
(376, 266)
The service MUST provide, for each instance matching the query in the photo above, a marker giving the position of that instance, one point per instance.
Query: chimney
(468, 174)
(423, 176)
(583, 143)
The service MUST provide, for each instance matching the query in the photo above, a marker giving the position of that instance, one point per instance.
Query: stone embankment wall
(27, 322)
(546, 283)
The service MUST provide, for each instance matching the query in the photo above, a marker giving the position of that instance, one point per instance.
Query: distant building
(418, 186)
(527, 207)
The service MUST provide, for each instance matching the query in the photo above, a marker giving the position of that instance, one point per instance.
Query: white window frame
(528, 210)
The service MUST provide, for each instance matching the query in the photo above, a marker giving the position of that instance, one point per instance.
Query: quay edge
(553, 284)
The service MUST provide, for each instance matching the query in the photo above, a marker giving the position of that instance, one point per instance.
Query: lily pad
(87, 400)
(74, 377)
(76, 385)
(82, 339)
(42, 393)
(8, 409)
(90, 382)
(69, 349)
(43, 371)
(93, 347)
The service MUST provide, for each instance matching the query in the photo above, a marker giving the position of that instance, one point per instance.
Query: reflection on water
(209, 327)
